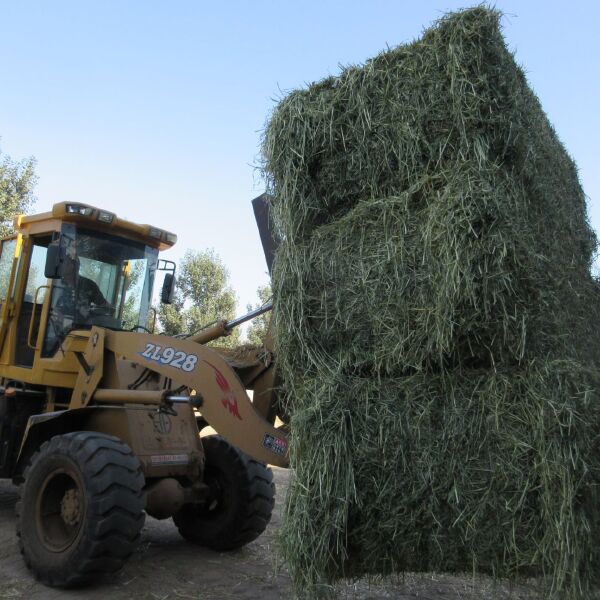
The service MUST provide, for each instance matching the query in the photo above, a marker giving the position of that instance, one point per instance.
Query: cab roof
(97, 219)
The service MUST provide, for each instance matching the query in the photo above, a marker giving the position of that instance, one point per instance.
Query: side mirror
(168, 289)
(53, 267)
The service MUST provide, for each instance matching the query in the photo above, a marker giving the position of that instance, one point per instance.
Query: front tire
(81, 508)
(241, 499)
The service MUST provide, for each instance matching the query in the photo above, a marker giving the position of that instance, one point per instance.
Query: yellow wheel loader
(100, 418)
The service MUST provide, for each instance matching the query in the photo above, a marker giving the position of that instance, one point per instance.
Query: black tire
(240, 504)
(81, 508)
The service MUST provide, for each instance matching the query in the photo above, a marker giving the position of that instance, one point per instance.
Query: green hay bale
(453, 98)
(495, 473)
(435, 320)
(397, 285)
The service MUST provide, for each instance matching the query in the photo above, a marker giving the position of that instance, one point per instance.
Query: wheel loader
(100, 418)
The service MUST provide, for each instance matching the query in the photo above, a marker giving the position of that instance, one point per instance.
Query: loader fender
(42, 427)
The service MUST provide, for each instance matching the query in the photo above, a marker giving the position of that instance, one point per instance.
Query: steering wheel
(136, 327)
(101, 311)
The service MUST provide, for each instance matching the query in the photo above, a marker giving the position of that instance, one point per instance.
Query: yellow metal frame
(93, 363)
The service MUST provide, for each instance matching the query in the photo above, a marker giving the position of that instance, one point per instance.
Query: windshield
(106, 281)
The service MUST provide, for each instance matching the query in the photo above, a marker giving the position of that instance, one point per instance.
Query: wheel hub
(70, 507)
(60, 509)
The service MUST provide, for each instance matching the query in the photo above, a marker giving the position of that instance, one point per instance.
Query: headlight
(79, 209)
(105, 217)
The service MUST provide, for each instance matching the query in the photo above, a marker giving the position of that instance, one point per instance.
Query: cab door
(32, 303)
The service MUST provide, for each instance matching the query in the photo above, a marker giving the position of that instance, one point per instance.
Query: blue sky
(154, 109)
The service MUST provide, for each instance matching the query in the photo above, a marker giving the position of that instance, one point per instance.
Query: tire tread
(113, 482)
(256, 491)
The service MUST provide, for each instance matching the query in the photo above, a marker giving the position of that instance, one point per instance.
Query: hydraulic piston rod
(261, 310)
(223, 328)
(108, 396)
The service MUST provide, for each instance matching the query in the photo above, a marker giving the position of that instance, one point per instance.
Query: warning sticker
(274, 444)
(169, 459)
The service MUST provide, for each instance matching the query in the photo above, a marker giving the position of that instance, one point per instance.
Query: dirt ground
(168, 568)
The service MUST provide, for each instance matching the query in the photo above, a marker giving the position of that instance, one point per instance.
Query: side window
(7, 253)
(35, 276)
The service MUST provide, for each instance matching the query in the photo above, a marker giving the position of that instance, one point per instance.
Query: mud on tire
(81, 508)
(240, 504)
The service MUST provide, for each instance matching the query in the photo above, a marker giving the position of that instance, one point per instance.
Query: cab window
(35, 276)
(7, 254)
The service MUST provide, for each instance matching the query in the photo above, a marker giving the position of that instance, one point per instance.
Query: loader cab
(98, 279)
(65, 272)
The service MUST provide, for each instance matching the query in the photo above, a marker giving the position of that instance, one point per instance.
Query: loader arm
(225, 404)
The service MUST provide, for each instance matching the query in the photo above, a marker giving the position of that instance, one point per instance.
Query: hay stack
(435, 320)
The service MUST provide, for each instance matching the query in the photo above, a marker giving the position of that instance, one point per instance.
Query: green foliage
(435, 321)
(203, 295)
(258, 327)
(133, 294)
(17, 180)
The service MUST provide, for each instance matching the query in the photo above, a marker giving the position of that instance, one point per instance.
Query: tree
(259, 325)
(17, 180)
(202, 295)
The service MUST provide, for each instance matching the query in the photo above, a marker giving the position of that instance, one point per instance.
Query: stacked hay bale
(435, 320)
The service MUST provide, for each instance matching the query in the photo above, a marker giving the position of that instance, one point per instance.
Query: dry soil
(168, 568)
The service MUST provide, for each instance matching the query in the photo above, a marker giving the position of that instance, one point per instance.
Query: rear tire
(241, 501)
(81, 508)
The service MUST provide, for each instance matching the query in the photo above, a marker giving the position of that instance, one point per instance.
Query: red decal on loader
(229, 401)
